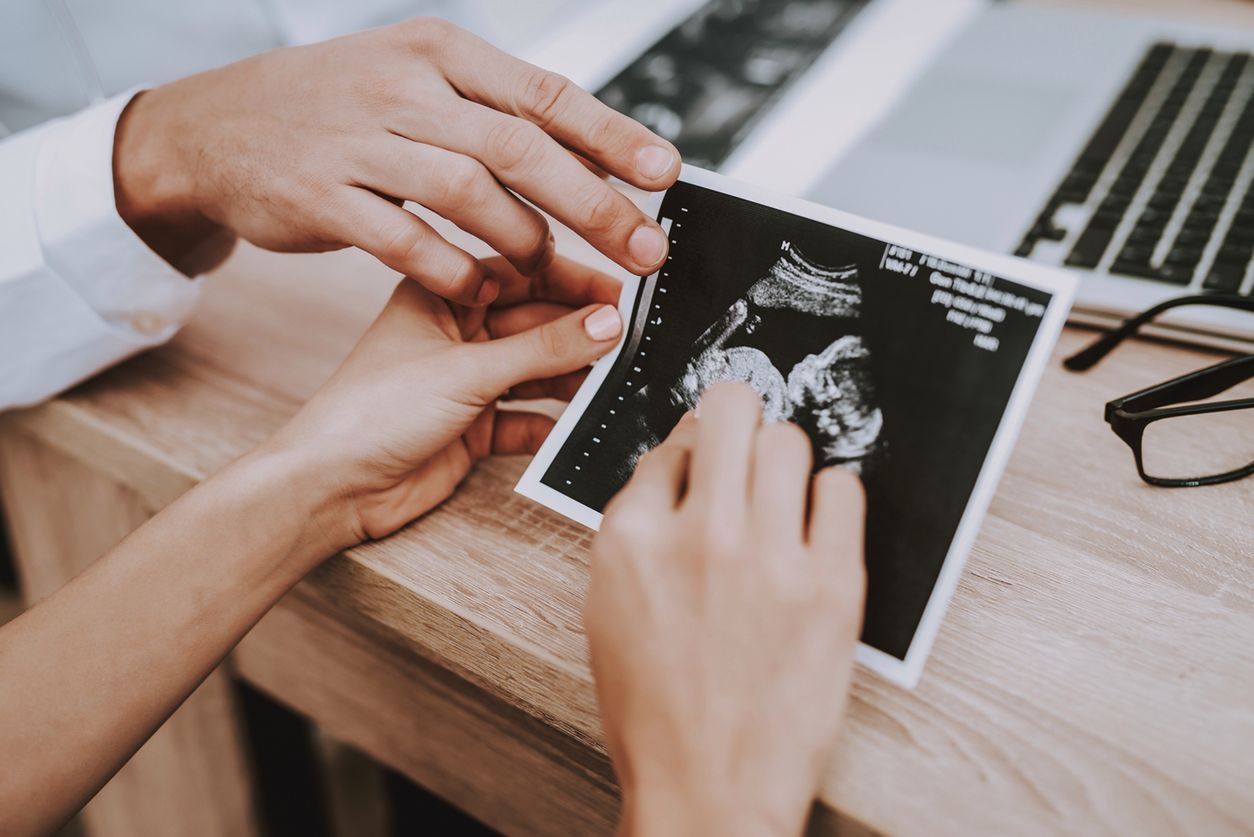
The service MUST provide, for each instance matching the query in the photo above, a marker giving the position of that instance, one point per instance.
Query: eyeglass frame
(1130, 415)
(1130, 423)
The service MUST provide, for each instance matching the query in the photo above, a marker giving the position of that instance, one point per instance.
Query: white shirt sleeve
(79, 291)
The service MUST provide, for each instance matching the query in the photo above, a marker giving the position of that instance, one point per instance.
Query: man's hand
(725, 605)
(402, 421)
(314, 148)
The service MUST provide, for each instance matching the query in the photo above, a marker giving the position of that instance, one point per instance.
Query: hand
(401, 422)
(314, 148)
(722, 618)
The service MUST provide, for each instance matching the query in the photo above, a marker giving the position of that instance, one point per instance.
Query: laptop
(1119, 147)
(733, 83)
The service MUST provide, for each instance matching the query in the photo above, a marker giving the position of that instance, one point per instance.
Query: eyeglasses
(1178, 444)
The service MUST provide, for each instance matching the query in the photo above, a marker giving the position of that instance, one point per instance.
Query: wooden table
(1095, 672)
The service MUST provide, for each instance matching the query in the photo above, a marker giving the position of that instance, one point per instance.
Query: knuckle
(531, 244)
(403, 248)
(544, 95)
(605, 137)
(512, 144)
(463, 185)
(430, 35)
(535, 247)
(552, 341)
(601, 213)
(464, 276)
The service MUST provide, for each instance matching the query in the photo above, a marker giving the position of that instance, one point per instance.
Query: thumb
(550, 349)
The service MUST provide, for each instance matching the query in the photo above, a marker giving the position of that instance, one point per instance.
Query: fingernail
(603, 323)
(487, 291)
(653, 161)
(647, 245)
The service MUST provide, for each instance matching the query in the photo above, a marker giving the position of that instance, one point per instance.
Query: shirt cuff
(87, 243)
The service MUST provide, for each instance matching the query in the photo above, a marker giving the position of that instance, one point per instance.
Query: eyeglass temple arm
(1088, 357)
(1195, 386)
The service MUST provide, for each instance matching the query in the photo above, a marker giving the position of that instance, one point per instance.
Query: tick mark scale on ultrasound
(647, 317)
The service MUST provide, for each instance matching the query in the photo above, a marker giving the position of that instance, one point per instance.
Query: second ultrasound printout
(908, 360)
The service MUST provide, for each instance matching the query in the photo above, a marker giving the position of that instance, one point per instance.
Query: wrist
(155, 191)
(678, 810)
(299, 498)
(659, 797)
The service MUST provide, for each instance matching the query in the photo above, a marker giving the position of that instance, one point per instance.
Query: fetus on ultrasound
(778, 339)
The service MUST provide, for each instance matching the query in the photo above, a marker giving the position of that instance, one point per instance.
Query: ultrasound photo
(829, 392)
(712, 78)
(898, 363)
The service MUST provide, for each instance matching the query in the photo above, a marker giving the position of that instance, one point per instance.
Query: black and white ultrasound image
(860, 357)
(711, 79)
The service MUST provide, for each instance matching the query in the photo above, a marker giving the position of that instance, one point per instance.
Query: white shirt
(79, 291)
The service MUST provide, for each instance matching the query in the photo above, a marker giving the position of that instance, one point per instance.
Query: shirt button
(147, 323)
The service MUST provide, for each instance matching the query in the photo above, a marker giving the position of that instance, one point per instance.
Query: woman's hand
(724, 609)
(388, 437)
(401, 422)
(314, 148)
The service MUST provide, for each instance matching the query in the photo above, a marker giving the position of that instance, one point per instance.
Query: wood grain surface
(1094, 673)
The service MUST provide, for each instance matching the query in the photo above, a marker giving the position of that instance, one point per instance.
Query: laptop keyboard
(1162, 191)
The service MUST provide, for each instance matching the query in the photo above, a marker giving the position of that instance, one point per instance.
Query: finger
(662, 473)
(407, 244)
(518, 432)
(562, 387)
(729, 414)
(563, 281)
(462, 190)
(530, 162)
(546, 351)
(837, 516)
(504, 322)
(781, 480)
(574, 117)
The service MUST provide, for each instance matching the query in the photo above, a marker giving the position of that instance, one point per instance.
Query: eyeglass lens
(1199, 445)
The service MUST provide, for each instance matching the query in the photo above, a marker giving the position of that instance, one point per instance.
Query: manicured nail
(653, 161)
(487, 291)
(603, 323)
(647, 245)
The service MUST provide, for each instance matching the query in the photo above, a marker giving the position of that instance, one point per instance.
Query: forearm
(90, 673)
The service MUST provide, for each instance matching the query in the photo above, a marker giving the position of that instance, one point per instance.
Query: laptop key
(1224, 278)
(1176, 274)
(1091, 244)
(1134, 254)
(1140, 269)
(1183, 256)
